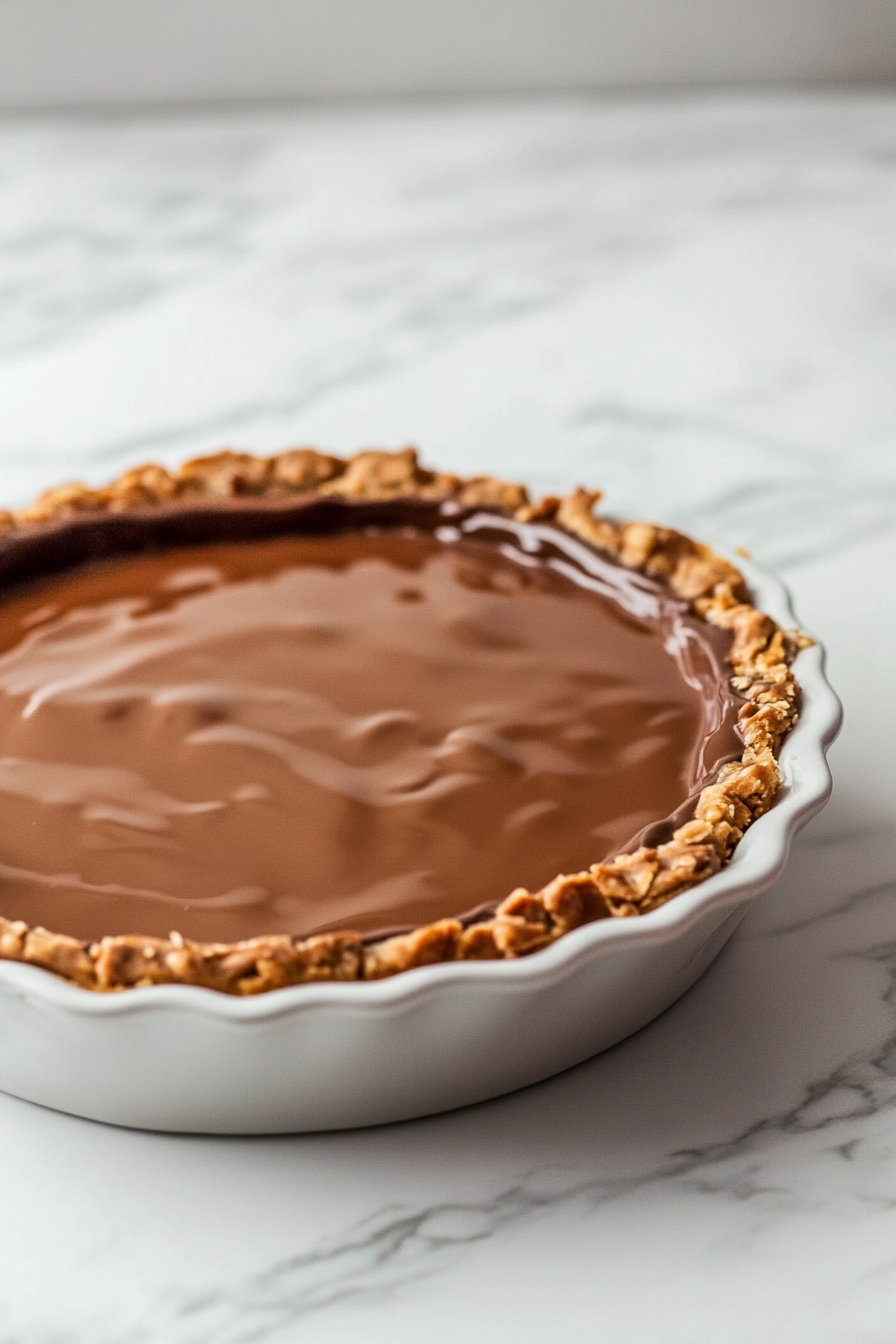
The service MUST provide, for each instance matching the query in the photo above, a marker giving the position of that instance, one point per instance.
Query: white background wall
(64, 52)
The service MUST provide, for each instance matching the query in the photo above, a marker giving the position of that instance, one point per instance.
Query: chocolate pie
(269, 721)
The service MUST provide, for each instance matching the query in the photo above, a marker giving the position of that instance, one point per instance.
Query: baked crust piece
(630, 884)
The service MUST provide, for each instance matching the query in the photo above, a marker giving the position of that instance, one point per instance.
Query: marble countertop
(692, 303)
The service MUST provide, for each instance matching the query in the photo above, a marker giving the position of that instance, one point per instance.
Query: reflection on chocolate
(362, 727)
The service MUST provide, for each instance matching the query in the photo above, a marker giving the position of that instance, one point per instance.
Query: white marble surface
(694, 304)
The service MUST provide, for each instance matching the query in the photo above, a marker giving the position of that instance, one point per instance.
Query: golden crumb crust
(630, 884)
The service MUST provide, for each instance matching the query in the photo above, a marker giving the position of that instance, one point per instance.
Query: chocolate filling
(262, 717)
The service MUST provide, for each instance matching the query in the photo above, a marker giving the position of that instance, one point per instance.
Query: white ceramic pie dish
(332, 1056)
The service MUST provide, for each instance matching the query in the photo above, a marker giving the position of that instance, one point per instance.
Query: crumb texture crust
(630, 884)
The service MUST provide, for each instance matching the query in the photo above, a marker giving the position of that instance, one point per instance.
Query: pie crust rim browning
(525, 922)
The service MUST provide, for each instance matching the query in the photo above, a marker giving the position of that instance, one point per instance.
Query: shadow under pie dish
(268, 722)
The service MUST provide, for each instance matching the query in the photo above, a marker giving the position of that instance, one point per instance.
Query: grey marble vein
(398, 1246)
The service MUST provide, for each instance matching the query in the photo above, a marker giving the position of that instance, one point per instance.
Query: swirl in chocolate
(368, 724)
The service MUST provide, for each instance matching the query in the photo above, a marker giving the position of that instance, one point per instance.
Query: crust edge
(631, 884)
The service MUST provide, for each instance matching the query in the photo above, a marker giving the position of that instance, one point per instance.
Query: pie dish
(365, 508)
(332, 1054)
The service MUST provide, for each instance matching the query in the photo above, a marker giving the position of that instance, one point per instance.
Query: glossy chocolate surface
(365, 726)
